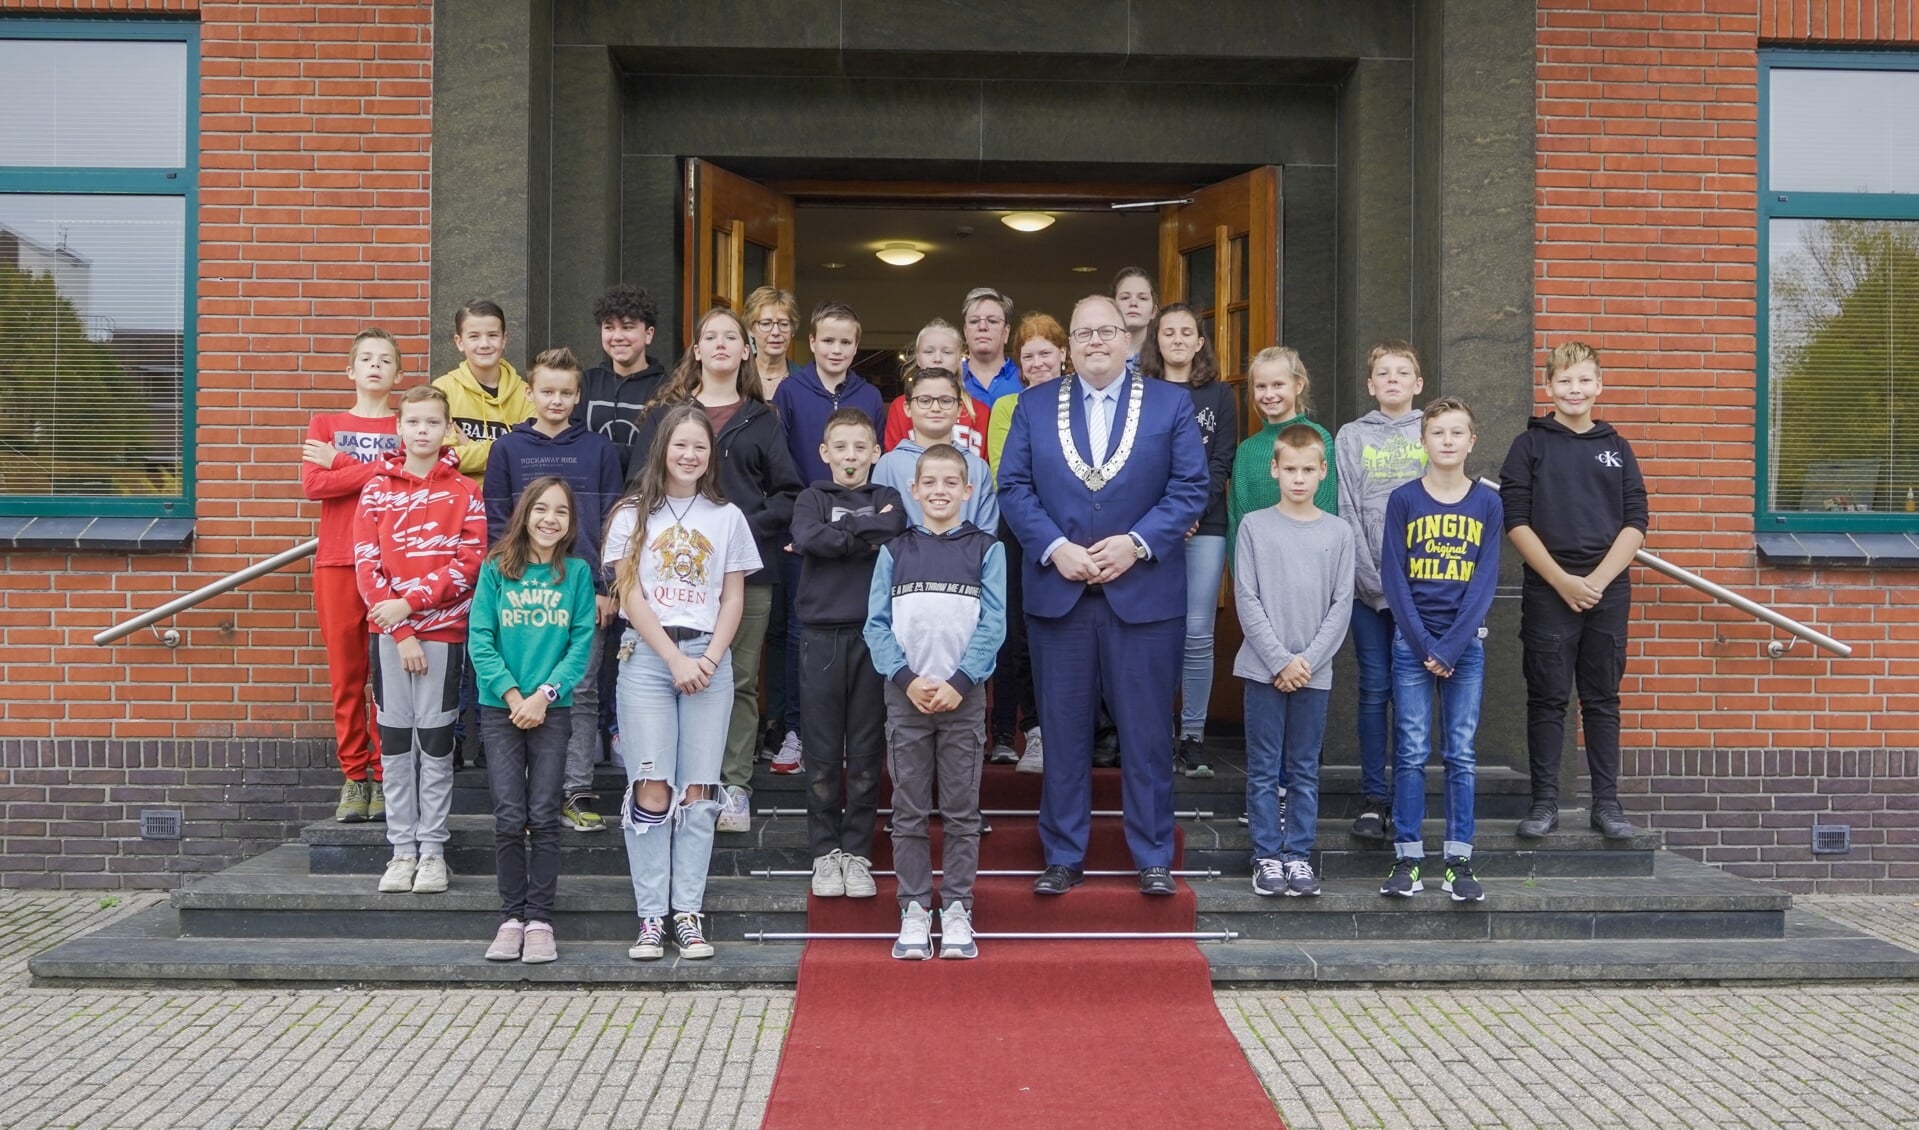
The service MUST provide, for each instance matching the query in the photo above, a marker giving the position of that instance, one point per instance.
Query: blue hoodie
(804, 406)
(585, 459)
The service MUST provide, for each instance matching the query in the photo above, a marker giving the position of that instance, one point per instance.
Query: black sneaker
(1189, 757)
(1000, 751)
(1610, 821)
(1459, 881)
(1404, 881)
(1540, 820)
(1371, 824)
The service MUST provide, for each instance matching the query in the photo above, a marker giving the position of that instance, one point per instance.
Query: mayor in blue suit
(1101, 478)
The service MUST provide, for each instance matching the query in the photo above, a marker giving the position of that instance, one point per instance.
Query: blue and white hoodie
(938, 606)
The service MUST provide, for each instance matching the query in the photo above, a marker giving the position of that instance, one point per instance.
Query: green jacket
(532, 631)
(1253, 485)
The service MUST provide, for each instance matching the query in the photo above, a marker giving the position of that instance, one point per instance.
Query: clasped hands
(1105, 560)
(932, 696)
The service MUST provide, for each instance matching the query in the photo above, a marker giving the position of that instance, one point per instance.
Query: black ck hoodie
(838, 531)
(1576, 490)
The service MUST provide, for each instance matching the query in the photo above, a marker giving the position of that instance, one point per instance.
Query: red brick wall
(315, 135)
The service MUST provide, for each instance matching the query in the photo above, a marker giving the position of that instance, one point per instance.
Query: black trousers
(1013, 695)
(526, 772)
(1564, 650)
(843, 727)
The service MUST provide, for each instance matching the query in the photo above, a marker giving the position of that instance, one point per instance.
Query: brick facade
(1647, 179)
(315, 133)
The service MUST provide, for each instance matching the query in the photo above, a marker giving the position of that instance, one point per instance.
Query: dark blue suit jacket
(1158, 495)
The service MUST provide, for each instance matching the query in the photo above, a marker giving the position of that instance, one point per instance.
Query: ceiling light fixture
(832, 266)
(1084, 270)
(1027, 221)
(900, 254)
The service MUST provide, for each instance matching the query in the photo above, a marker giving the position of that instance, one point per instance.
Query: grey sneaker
(399, 875)
(431, 876)
(1002, 751)
(506, 943)
(858, 872)
(829, 876)
(1034, 759)
(539, 947)
(956, 933)
(1300, 879)
(1269, 877)
(354, 796)
(916, 934)
(736, 815)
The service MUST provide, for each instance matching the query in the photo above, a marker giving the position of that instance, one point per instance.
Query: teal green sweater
(532, 631)
(1253, 485)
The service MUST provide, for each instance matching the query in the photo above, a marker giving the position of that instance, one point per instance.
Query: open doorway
(962, 248)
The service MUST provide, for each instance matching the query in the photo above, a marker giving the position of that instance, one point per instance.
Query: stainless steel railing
(1744, 604)
(226, 584)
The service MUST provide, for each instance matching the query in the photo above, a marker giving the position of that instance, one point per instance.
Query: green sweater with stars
(532, 631)
(1253, 484)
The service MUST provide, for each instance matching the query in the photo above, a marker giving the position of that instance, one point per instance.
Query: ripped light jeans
(680, 739)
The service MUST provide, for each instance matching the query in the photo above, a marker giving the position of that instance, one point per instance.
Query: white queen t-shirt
(690, 546)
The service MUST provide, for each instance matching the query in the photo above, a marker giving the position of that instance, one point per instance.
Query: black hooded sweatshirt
(609, 403)
(838, 531)
(756, 475)
(1576, 490)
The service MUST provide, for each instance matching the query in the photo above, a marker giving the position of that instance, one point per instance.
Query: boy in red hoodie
(417, 541)
(343, 450)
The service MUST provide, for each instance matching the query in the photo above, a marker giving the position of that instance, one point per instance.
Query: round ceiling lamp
(1027, 221)
(900, 254)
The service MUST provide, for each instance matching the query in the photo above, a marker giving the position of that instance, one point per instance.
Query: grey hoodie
(1375, 454)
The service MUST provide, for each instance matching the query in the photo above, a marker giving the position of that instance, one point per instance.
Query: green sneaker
(577, 813)
(376, 801)
(353, 803)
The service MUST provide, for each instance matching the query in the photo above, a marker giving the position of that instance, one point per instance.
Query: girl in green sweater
(530, 636)
(1277, 382)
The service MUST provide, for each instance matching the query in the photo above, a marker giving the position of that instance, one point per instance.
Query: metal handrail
(204, 593)
(1744, 604)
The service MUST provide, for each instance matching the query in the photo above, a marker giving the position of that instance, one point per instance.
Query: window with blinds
(97, 171)
(1839, 225)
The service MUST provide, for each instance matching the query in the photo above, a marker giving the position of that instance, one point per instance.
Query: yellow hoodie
(482, 418)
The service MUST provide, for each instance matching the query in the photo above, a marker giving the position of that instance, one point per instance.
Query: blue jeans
(679, 739)
(1284, 731)
(1413, 689)
(1205, 561)
(1373, 648)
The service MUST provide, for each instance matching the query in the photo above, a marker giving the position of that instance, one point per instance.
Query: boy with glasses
(932, 404)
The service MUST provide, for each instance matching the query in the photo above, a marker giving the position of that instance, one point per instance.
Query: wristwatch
(551, 692)
(1139, 547)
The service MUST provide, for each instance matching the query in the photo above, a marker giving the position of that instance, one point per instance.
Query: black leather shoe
(1057, 880)
(1155, 881)
(1611, 822)
(1540, 820)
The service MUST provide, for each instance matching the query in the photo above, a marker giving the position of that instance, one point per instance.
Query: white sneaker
(736, 815)
(858, 871)
(829, 879)
(1034, 759)
(431, 876)
(916, 934)
(956, 933)
(787, 760)
(399, 875)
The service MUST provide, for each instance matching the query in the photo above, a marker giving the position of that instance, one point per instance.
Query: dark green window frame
(182, 182)
(1811, 206)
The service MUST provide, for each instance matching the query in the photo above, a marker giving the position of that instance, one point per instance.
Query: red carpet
(1032, 1033)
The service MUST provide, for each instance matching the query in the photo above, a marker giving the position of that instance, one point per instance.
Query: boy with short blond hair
(1576, 512)
(1293, 587)
(552, 443)
(417, 541)
(342, 452)
(936, 615)
(839, 526)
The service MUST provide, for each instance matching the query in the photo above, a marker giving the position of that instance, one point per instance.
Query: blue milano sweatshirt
(804, 406)
(938, 606)
(1441, 567)
(585, 459)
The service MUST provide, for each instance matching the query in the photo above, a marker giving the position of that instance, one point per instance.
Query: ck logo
(1609, 459)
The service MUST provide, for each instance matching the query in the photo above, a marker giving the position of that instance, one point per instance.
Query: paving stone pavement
(1791, 1056)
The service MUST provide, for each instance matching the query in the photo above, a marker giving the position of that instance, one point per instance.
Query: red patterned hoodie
(420, 539)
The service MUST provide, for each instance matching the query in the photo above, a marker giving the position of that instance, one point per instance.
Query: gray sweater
(1293, 586)
(1375, 454)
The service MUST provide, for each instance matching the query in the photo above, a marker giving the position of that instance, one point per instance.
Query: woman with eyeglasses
(771, 314)
(1177, 352)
